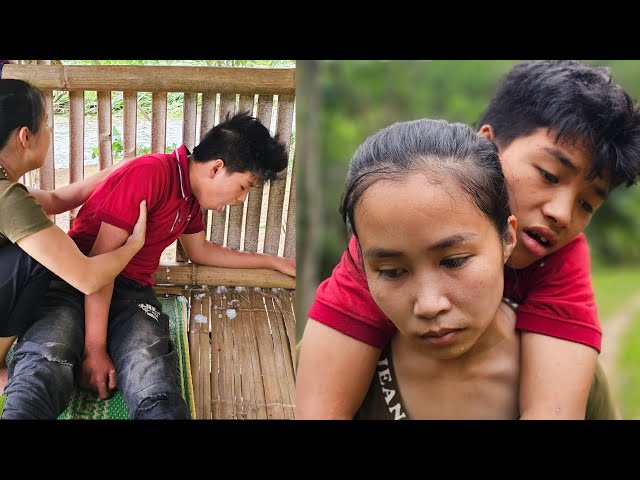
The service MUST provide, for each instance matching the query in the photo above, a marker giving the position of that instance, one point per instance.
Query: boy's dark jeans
(48, 356)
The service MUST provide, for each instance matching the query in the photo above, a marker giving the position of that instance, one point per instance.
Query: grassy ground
(628, 388)
(613, 288)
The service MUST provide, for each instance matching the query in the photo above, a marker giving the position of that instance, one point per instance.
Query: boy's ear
(510, 238)
(486, 131)
(216, 166)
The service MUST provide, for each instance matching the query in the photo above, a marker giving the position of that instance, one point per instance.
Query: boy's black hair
(579, 103)
(245, 145)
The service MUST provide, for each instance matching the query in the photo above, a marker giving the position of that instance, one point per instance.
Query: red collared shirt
(161, 179)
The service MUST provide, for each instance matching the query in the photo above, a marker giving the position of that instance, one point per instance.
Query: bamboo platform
(241, 342)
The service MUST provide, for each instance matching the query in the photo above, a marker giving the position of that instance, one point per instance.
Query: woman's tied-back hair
(21, 105)
(245, 145)
(578, 103)
(437, 149)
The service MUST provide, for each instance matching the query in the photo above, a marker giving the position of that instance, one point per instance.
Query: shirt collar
(180, 155)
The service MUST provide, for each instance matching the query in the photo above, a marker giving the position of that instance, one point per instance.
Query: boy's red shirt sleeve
(556, 296)
(344, 303)
(124, 190)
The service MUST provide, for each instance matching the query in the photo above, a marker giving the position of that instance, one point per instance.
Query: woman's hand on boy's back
(139, 232)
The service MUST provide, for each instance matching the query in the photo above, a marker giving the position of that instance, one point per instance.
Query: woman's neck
(10, 165)
(480, 383)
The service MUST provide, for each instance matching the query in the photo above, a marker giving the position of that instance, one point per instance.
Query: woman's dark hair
(245, 145)
(21, 105)
(430, 146)
(578, 103)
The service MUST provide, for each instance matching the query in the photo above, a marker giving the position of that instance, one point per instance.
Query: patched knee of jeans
(53, 352)
(59, 353)
(162, 406)
(151, 402)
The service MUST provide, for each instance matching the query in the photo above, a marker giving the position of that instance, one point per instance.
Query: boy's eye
(455, 262)
(547, 176)
(391, 274)
(586, 206)
(242, 187)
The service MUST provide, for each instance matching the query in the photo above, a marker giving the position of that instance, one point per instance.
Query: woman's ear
(510, 238)
(486, 131)
(24, 136)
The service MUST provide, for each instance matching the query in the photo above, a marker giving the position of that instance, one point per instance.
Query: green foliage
(117, 147)
(613, 287)
(628, 372)
(357, 98)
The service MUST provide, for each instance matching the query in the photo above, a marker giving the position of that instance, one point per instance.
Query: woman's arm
(333, 375)
(55, 250)
(70, 196)
(555, 377)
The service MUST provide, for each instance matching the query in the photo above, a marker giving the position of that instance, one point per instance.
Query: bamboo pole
(104, 129)
(254, 202)
(176, 273)
(76, 142)
(278, 81)
(158, 122)
(277, 187)
(47, 175)
(129, 123)
(290, 237)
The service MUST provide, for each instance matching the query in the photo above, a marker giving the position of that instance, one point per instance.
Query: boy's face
(549, 194)
(220, 188)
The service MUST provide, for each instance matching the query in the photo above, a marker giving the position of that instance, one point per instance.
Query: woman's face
(434, 262)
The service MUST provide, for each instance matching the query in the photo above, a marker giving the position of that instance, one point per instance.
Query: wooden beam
(176, 273)
(142, 78)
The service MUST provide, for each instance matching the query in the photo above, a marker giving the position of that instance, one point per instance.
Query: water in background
(143, 137)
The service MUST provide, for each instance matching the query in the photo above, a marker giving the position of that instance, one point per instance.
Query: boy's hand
(138, 234)
(285, 265)
(98, 373)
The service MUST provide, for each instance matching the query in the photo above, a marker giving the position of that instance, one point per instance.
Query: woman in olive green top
(32, 247)
(457, 353)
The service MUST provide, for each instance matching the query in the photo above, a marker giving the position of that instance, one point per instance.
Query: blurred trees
(357, 98)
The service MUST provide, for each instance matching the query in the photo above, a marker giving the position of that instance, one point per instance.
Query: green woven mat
(86, 405)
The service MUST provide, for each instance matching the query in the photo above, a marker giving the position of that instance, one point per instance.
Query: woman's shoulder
(20, 213)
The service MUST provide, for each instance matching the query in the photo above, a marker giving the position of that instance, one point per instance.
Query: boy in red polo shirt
(567, 135)
(119, 335)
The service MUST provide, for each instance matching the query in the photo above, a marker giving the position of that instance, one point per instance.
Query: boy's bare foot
(4, 377)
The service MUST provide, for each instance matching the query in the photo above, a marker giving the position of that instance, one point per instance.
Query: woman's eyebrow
(447, 242)
(452, 240)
